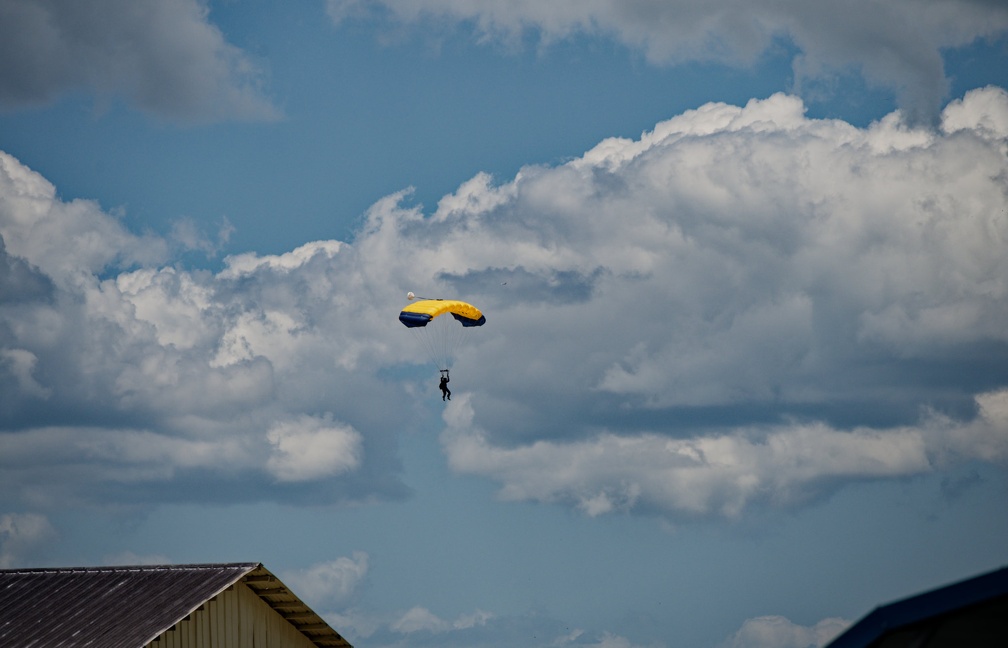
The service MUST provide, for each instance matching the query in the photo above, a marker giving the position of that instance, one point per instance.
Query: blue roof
(977, 606)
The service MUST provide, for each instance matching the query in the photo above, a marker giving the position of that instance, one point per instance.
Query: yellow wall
(236, 618)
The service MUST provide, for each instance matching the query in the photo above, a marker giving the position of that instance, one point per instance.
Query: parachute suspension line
(440, 339)
(456, 335)
(439, 326)
(426, 342)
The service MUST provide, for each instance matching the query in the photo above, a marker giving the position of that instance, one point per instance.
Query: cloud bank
(778, 632)
(830, 39)
(334, 588)
(743, 307)
(723, 472)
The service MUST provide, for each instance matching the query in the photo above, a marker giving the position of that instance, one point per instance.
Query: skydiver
(445, 392)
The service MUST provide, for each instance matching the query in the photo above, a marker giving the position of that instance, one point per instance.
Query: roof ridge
(112, 568)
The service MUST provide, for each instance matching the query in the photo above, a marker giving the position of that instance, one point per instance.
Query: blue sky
(743, 376)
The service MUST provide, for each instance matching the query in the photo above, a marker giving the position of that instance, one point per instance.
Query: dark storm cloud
(163, 56)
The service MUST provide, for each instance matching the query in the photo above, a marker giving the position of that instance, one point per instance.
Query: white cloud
(420, 627)
(165, 57)
(355, 623)
(779, 632)
(188, 235)
(308, 448)
(831, 38)
(720, 473)
(171, 301)
(715, 473)
(745, 305)
(419, 618)
(982, 111)
(606, 640)
(246, 264)
(68, 241)
(985, 437)
(177, 375)
(477, 618)
(330, 583)
(21, 363)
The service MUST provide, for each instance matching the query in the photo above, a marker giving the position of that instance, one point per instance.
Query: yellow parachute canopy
(438, 333)
(422, 312)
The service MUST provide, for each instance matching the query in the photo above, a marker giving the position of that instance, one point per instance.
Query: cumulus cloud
(20, 364)
(164, 57)
(420, 627)
(309, 448)
(742, 307)
(334, 587)
(67, 242)
(778, 632)
(331, 583)
(830, 39)
(721, 472)
(419, 618)
(139, 380)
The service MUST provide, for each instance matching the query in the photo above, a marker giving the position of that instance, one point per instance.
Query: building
(969, 614)
(236, 605)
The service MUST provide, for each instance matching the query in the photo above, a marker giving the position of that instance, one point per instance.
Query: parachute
(440, 326)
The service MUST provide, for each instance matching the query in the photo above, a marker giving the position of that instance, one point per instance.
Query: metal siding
(236, 638)
(203, 636)
(219, 624)
(227, 604)
(223, 624)
(243, 614)
(259, 630)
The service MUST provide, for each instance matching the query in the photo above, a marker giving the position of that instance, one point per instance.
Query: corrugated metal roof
(127, 607)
